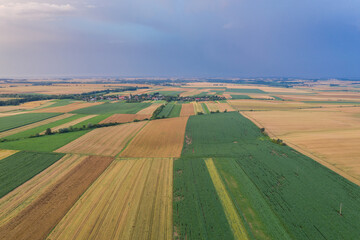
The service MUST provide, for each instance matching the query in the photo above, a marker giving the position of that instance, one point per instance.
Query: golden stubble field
(108, 141)
(132, 199)
(159, 138)
(328, 135)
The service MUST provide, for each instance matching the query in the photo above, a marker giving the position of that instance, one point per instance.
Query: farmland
(187, 110)
(48, 209)
(197, 211)
(281, 165)
(159, 138)
(68, 107)
(131, 200)
(106, 108)
(20, 167)
(287, 177)
(125, 118)
(109, 141)
(11, 122)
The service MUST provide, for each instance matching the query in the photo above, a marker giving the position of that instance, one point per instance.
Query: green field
(166, 110)
(107, 108)
(22, 166)
(240, 97)
(206, 109)
(42, 128)
(60, 102)
(47, 143)
(10, 122)
(197, 212)
(244, 90)
(93, 120)
(175, 112)
(285, 191)
(170, 93)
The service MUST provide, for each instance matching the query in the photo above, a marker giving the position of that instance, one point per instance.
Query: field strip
(125, 118)
(6, 153)
(41, 216)
(233, 218)
(33, 125)
(150, 109)
(132, 199)
(198, 108)
(15, 201)
(72, 123)
(187, 109)
(159, 138)
(69, 107)
(108, 141)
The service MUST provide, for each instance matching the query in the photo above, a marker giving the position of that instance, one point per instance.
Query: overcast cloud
(309, 38)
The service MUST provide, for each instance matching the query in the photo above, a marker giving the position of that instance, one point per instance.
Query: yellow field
(72, 123)
(125, 118)
(33, 125)
(160, 138)
(331, 137)
(132, 199)
(6, 153)
(107, 141)
(149, 110)
(236, 224)
(246, 105)
(187, 109)
(198, 108)
(21, 197)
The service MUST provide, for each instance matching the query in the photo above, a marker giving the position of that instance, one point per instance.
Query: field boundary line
(130, 140)
(235, 222)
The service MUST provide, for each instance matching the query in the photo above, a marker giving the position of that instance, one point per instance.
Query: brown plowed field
(41, 216)
(33, 125)
(160, 138)
(107, 141)
(21, 197)
(187, 109)
(131, 200)
(149, 110)
(125, 118)
(68, 108)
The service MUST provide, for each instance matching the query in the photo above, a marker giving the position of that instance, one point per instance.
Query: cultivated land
(187, 110)
(11, 122)
(131, 200)
(69, 107)
(330, 136)
(125, 118)
(104, 141)
(209, 176)
(48, 209)
(22, 196)
(107, 108)
(22, 166)
(159, 138)
(281, 176)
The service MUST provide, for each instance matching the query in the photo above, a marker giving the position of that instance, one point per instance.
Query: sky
(181, 38)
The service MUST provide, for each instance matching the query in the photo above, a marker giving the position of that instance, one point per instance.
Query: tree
(48, 131)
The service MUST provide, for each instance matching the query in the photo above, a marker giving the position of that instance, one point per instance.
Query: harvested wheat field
(246, 105)
(72, 123)
(69, 108)
(35, 104)
(160, 138)
(107, 141)
(187, 109)
(227, 96)
(15, 201)
(225, 106)
(149, 110)
(6, 153)
(332, 138)
(41, 216)
(131, 200)
(125, 118)
(198, 108)
(33, 125)
(212, 106)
